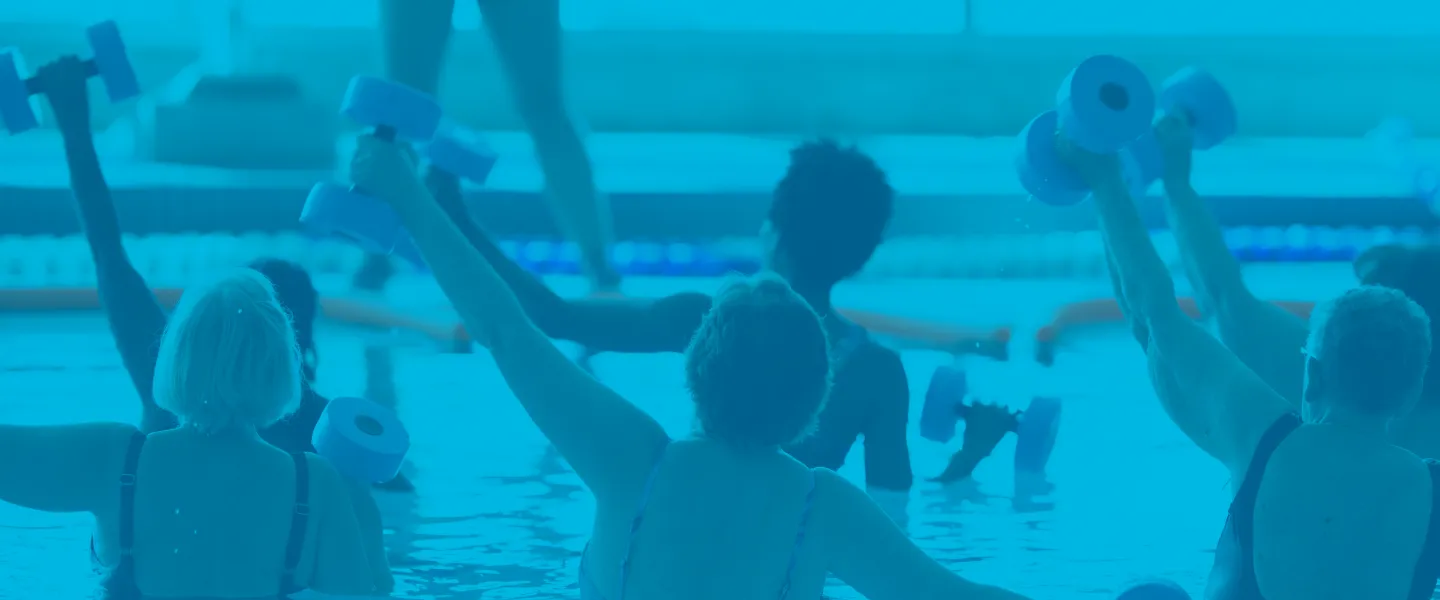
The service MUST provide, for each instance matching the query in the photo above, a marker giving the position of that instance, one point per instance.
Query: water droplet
(177, 511)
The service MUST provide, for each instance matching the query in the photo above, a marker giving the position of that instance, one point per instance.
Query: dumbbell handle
(384, 133)
(1182, 113)
(33, 86)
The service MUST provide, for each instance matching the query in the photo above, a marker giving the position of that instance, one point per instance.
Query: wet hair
(296, 293)
(758, 367)
(229, 358)
(1415, 271)
(1373, 346)
(830, 211)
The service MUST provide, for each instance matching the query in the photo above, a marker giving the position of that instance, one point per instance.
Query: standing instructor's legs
(526, 34)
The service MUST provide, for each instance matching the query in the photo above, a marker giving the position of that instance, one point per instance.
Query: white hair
(229, 357)
(1373, 345)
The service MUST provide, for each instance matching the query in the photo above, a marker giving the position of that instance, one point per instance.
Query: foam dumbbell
(363, 439)
(1200, 98)
(1102, 106)
(110, 63)
(1154, 590)
(461, 154)
(396, 112)
(1035, 430)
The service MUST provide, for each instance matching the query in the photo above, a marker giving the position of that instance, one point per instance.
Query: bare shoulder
(1414, 473)
(839, 501)
(324, 479)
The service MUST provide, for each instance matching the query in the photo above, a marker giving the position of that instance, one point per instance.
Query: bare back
(717, 525)
(1339, 517)
(720, 525)
(213, 519)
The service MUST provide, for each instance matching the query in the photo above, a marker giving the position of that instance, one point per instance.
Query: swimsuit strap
(125, 570)
(1242, 508)
(299, 522)
(635, 525)
(1427, 569)
(1269, 441)
(799, 536)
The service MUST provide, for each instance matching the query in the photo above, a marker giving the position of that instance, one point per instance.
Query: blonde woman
(208, 509)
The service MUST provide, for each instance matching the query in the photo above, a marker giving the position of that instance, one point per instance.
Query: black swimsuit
(1233, 576)
(119, 581)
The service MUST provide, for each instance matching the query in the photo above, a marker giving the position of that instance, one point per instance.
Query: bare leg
(414, 35)
(526, 34)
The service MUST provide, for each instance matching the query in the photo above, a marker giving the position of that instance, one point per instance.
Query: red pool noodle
(376, 314)
(1107, 310)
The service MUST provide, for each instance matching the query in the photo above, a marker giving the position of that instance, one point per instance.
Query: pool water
(498, 515)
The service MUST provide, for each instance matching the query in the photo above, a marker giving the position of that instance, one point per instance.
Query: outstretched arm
(1261, 334)
(609, 442)
(601, 324)
(1209, 393)
(136, 319)
(62, 468)
(869, 551)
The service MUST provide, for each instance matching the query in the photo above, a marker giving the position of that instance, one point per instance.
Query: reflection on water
(498, 515)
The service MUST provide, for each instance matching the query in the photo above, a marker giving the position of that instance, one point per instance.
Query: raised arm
(1209, 393)
(1261, 334)
(868, 551)
(609, 442)
(135, 316)
(608, 325)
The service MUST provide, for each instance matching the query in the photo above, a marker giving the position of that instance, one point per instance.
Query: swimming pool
(499, 516)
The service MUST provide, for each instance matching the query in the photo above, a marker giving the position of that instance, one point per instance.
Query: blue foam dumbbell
(1154, 590)
(110, 63)
(461, 154)
(396, 112)
(1103, 105)
(1035, 431)
(1199, 97)
(363, 439)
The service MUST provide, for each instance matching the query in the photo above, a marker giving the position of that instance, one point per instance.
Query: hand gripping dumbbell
(1103, 105)
(396, 112)
(1199, 98)
(1035, 431)
(110, 63)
